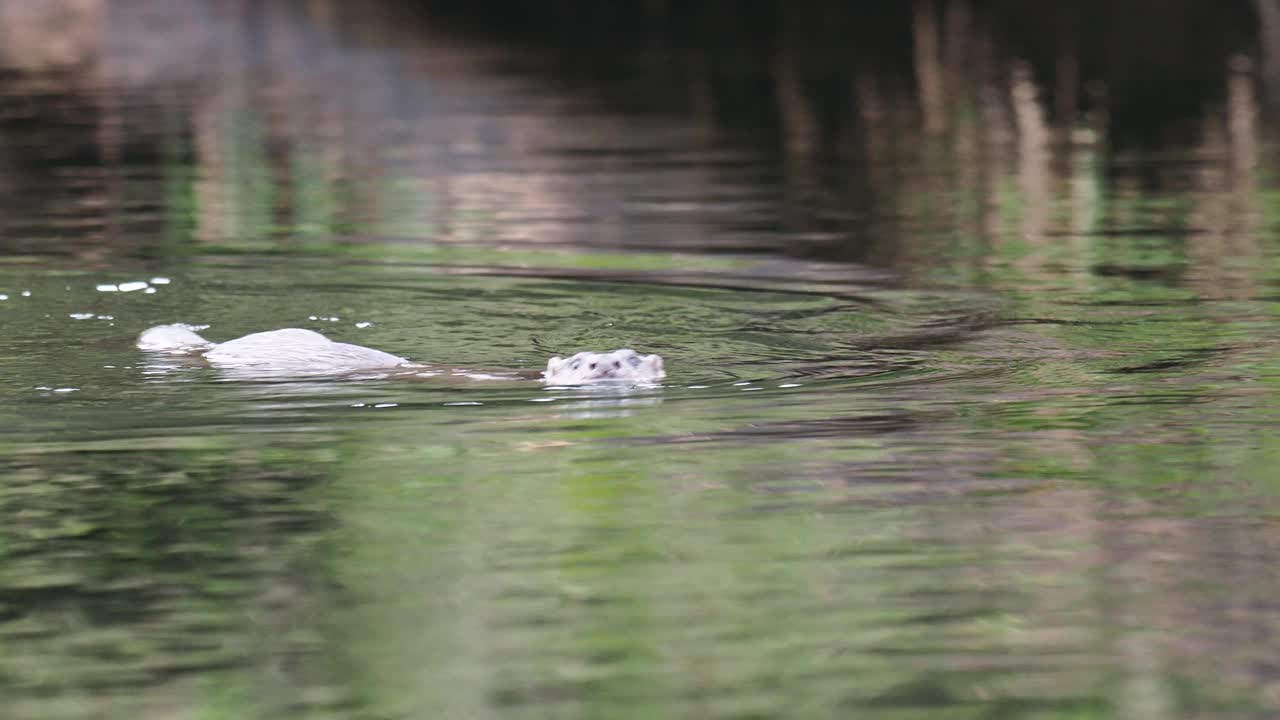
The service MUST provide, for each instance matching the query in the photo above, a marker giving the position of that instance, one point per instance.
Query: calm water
(969, 421)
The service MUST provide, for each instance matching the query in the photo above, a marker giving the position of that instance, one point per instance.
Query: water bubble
(149, 291)
(789, 385)
(698, 387)
(132, 286)
(26, 293)
(3, 296)
(466, 402)
(66, 390)
(363, 324)
(81, 316)
(106, 317)
(108, 287)
(159, 281)
(386, 405)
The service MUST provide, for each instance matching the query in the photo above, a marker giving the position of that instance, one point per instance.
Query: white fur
(294, 351)
(173, 339)
(625, 365)
(301, 349)
(287, 351)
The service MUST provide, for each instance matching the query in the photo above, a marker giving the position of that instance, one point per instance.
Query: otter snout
(603, 369)
(586, 367)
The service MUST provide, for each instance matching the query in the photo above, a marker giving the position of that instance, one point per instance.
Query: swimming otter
(294, 351)
(585, 367)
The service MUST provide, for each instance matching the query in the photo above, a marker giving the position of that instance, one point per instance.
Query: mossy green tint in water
(1008, 451)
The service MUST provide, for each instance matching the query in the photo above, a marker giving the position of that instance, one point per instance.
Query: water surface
(977, 423)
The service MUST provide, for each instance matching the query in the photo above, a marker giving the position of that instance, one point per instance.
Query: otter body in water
(585, 367)
(294, 351)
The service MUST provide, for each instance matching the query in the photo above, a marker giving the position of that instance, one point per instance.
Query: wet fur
(295, 351)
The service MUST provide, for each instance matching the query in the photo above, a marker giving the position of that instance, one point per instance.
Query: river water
(968, 414)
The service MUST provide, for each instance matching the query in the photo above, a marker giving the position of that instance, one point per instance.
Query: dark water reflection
(972, 397)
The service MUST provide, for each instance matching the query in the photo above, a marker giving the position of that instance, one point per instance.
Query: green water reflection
(1018, 461)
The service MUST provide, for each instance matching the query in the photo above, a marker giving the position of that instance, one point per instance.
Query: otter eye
(617, 364)
(575, 364)
(634, 360)
(592, 366)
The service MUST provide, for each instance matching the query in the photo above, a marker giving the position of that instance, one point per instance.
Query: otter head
(587, 367)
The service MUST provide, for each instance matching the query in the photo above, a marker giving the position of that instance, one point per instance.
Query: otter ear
(554, 365)
(654, 362)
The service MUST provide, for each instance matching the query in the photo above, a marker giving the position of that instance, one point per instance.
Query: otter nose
(603, 368)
